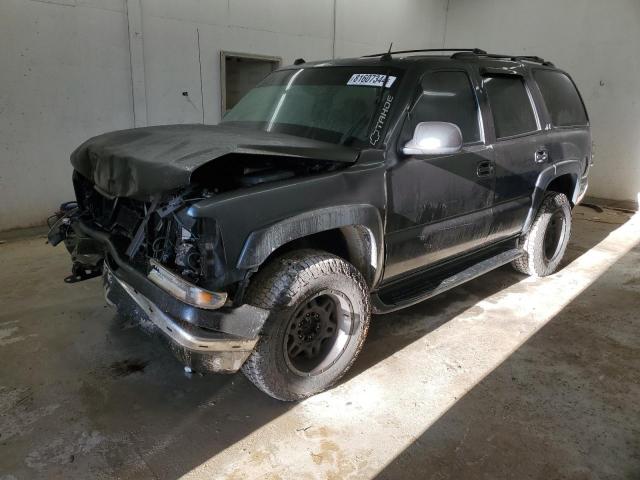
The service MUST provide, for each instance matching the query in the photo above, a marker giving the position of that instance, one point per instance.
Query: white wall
(64, 76)
(286, 28)
(65, 69)
(365, 25)
(597, 43)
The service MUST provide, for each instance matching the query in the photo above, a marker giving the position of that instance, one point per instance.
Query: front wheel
(319, 316)
(546, 242)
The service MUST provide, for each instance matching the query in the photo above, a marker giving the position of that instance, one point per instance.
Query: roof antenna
(387, 56)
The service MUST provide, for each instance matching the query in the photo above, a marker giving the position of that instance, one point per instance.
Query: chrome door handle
(541, 155)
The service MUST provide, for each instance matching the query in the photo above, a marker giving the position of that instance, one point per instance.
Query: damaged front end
(132, 222)
(163, 264)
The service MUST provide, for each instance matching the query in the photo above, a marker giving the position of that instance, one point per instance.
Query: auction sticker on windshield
(370, 80)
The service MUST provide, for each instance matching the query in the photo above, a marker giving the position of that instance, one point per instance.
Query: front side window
(511, 106)
(342, 105)
(561, 98)
(448, 97)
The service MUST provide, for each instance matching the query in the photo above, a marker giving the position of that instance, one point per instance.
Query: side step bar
(395, 297)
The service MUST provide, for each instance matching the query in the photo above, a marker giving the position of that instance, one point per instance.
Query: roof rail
(515, 58)
(477, 51)
(535, 59)
(459, 52)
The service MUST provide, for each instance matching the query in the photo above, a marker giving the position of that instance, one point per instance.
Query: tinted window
(510, 104)
(332, 104)
(561, 98)
(448, 97)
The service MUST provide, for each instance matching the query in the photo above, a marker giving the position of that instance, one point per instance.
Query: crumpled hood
(142, 161)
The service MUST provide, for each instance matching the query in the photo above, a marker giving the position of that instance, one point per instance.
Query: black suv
(330, 191)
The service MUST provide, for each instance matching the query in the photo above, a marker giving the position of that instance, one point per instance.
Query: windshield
(342, 105)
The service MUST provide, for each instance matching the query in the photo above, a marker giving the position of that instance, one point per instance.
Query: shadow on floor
(423, 318)
(182, 422)
(563, 406)
(153, 421)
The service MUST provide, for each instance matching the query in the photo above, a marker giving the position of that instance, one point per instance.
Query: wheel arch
(562, 177)
(565, 183)
(352, 232)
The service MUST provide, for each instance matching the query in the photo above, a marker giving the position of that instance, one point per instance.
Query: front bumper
(199, 348)
(216, 340)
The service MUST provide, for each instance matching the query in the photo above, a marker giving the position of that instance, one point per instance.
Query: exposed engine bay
(159, 228)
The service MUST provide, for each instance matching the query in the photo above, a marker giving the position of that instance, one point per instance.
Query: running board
(409, 292)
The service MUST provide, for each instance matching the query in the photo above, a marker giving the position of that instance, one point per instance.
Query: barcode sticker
(370, 80)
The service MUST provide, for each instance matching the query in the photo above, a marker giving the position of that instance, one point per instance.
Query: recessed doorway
(240, 72)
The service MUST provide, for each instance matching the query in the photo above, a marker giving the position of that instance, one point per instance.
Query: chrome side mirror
(434, 138)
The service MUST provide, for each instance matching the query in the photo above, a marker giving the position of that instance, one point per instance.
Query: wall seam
(446, 21)
(333, 44)
(136, 63)
(200, 64)
(133, 95)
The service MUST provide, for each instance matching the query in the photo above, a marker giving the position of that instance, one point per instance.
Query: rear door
(440, 206)
(569, 134)
(521, 148)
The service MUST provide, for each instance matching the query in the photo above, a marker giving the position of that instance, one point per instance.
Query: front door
(440, 206)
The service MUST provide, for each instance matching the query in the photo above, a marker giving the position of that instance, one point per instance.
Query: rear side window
(562, 99)
(448, 97)
(511, 106)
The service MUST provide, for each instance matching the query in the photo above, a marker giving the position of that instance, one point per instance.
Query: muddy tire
(546, 242)
(319, 318)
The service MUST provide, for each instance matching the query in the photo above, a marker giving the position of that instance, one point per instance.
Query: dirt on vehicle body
(330, 191)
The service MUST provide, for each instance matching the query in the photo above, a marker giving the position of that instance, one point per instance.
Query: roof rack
(515, 58)
(459, 52)
(477, 51)
(535, 59)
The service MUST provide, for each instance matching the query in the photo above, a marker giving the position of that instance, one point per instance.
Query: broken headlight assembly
(184, 255)
(180, 254)
(184, 290)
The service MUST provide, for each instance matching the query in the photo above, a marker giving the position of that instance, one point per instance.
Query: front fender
(261, 243)
(253, 222)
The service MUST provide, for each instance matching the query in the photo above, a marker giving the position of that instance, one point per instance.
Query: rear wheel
(546, 242)
(319, 317)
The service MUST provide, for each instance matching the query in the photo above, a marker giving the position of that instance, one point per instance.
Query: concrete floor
(505, 377)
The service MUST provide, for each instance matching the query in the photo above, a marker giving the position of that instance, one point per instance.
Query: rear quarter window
(561, 98)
